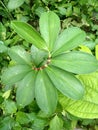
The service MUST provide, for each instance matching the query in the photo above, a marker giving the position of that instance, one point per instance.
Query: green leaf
(15, 4)
(38, 56)
(49, 27)
(56, 123)
(66, 83)
(76, 62)
(19, 55)
(68, 40)
(15, 74)
(96, 51)
(25, 90)
(3, 48)
(45, 93)
(9, 107)
(28, 33)
(88, 106)
(24, 118)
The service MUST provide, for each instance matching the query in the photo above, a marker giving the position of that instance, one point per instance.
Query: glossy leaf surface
(66, 83)
(19, 55)
(45, 93)
(15, 74)
(49, 27)
(76, 62)
(68, 39)
(28, 33)
(25, 90)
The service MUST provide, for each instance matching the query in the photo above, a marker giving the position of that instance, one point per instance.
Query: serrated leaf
(56, 123)
(45, 93)
(28, 33)
(88, 106)
(69, 39)
(66, 83)
(25, 91)
(19, 55)
(76, 62)
(3, 48)
(15, 74)
(49, 27)
(38, 56)
(15, 4)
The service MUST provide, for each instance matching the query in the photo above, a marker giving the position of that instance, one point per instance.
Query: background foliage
(72, 13)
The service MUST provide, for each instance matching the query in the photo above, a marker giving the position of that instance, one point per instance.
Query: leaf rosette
(50, 65)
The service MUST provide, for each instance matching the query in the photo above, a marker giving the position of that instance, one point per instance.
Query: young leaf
(15, 74)
(28, 33)
(45, 93)
(66, 83)
(68, 39)
(25, 90)
(49, 27)
(38, 56)
(19, 55)
(15, 4)
(76, 62)
(56, 123)
(88, 106)
(3, 48)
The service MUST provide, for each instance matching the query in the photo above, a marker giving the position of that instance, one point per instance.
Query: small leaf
(15, 4)
(68, 40)
(15, 74)
(25, 90)
(38, 56)
(45, 93)
(9, 107)
(28, 33)
(66, 83)
(19, 55)
(3, 48)
(76, 62)
(96, 51)
(49, 28)
(56, 123)
(24, 118)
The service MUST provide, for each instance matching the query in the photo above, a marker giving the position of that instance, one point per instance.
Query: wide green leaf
(49, 27)
(28, 33)
(15, 74)
(66, 83)
(68, 39)
(19, 55)
(38, 55)
(76, 62)
(88, 106)
(56, 123)
(25, 90)
(13, 4)
(45, 93)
